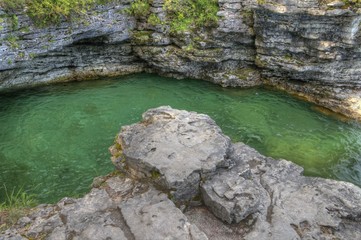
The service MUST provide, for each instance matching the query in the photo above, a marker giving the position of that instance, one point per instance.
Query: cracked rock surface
(174, 148)
(245, 194)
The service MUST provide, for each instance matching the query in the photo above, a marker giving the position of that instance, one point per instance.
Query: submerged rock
(253, 196)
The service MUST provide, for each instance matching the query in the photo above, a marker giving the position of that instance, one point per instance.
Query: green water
(54, 140)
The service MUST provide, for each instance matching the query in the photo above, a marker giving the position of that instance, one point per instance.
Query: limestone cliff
(310, 48)
(98, 45)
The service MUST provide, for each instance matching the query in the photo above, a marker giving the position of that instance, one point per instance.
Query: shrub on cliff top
(45, 12)
(182, 15)
(186, 14)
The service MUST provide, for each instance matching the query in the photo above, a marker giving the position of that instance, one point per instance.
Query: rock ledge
(181, 154)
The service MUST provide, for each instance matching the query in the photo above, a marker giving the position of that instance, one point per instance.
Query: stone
(248, 196)
(282, 203)
(152, 215)
(309, 48)
(174, 148)
(96, 46)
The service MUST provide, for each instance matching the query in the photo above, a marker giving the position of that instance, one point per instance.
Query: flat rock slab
(178, 147)
(121, 209)
(279, 202)
(152, 216)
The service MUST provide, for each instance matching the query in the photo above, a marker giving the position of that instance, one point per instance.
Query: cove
(54, 139)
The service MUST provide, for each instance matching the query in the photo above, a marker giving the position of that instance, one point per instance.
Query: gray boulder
(283, 203)
(175, 149)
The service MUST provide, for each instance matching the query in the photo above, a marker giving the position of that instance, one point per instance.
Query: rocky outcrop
(253, 196)
(98, 45)
(309, 48)
(120, 208)
(224, 55)
(158, 147)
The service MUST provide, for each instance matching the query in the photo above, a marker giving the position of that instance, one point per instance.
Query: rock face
(315, 47)
(224, 55)
(309, 48)
(256, 197)
(99, 45)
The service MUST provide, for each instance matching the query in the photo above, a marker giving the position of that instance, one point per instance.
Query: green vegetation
(182, 15)
(353, 3)
(186, 14)
(46, 12)
(12, 41)
(15, 206)
(155, 174)
(154, 20)
(139, 8)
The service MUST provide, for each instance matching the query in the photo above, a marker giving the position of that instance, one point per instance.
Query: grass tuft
(16, 204)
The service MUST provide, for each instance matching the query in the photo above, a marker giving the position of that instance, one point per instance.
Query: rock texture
(120, 209)
(224, 55)
(309, 48)
(174, 148)
(98, 45)
(253, 196)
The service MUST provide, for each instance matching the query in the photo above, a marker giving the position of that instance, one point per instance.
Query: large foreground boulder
(245, 194)
(174, 148)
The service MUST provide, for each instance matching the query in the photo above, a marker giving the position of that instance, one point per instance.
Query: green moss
(245, 73)
(47, 12)
(182, 15)
(14, 22)
(248, 17)
(154, 20)
(139, 8)
(21, 55)
(155, 174)
(12, 41)
(141, 37)
(352, 3)
(261, 2)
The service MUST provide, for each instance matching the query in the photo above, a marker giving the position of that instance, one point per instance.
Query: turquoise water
(54, 140)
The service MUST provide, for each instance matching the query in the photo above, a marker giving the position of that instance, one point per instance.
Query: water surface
(54, 140)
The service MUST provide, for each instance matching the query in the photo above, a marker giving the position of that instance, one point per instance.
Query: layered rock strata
(309, 48)
(224, 55)
(252, 196)
(98, 45)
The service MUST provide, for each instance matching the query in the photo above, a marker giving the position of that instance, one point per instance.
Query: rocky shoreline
(180, 177)
(308, 48)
